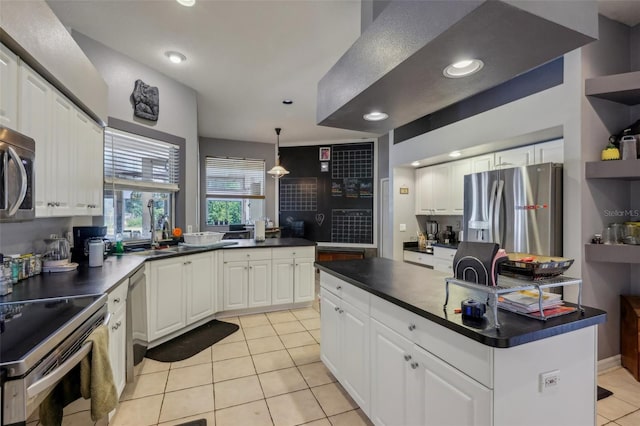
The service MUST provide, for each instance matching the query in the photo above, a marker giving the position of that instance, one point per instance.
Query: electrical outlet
(549, 380)
(457, 225)
(189, 229)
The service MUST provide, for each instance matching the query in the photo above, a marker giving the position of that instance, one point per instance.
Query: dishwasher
(136, 322)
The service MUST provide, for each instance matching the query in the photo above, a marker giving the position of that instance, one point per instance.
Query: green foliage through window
(224, 212)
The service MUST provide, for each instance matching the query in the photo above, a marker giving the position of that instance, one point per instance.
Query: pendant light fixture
(278, 171)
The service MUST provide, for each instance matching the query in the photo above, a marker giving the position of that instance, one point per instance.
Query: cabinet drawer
(444, 253)
(293, 252)
(331, 283)
(396, 318)
(445, 266)
(118, 296)
(471, 357)
(358, 298)
(231, 255)
(419, 258)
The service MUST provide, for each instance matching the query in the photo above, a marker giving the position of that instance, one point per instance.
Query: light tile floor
(269, 373)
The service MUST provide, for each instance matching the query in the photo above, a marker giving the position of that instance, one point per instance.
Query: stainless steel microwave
(17, 174)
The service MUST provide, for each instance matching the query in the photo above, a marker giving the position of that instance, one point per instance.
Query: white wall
(403, 211)
(178, 108)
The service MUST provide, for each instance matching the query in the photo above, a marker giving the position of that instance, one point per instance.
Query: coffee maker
(432, 232)
(81, 237)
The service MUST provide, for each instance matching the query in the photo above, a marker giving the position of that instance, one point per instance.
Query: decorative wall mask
(146, 101)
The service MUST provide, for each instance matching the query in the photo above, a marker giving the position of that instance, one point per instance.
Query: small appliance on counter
(432, 232)
(56, 258)
(82, 236)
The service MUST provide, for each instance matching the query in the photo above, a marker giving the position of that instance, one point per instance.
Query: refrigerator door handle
(492, 203)
(496, 213)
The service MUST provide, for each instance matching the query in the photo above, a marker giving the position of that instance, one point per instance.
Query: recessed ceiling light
(287, 102)
(455, 154)
(175, 57)
(415, 163)
(375, 116)
(463, 68)
(187, 3)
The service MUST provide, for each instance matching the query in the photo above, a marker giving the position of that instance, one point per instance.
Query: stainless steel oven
(40, 342)
(17, 174)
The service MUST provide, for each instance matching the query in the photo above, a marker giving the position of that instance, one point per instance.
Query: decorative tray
(532, 267)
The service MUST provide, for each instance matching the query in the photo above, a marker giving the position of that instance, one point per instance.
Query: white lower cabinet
(282, 283)
(247, 278)
(180, 291)
(303, 280)
(293, 275)
(117, 302)
(346, 351)
(394, 380)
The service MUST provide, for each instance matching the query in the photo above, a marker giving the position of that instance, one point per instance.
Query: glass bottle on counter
(16, 268)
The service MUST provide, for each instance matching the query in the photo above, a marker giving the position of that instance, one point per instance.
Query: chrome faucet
(152, 220)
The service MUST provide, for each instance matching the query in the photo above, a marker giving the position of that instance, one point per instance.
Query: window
(235, 190)
(140, 173)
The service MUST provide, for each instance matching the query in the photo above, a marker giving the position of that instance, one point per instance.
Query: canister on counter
(37, 268)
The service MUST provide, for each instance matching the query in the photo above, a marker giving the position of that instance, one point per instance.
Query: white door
(482, 163)
(60, 181)
(355, 354)
(259, 283)
(446, 396)
(456, 192)
(117, 347)
(236, 285)
(304, 280)
(523, 156)
(8, 88)
(390, 358)
(424, 191)
(200, 286)
(166, 307)
(34, 120)
(282, 282)
(550, 152)
(330, 330)
(440, 190)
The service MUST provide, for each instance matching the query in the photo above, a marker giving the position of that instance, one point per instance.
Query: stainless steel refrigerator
(519, 208)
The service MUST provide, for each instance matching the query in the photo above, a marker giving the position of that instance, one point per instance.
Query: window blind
(133, 161)
(234, 178)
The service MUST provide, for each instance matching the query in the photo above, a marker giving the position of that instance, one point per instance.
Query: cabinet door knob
(250, 267)
(414, 365)
(339, 287)
(407, 357)
(412, 327)
(116, 300)
(337, 309)
(340, 311)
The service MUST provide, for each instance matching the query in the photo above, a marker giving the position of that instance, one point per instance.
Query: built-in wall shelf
(622, 88)
(613, 169)
(612, 253)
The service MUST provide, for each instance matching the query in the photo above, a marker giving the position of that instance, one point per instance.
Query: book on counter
(527, 301)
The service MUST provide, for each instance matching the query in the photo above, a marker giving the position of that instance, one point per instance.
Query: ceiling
(244, 57)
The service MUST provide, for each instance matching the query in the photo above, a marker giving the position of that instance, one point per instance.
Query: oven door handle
(56, 375)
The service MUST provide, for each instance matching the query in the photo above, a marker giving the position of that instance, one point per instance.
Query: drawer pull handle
(412, 327)
(339, 287)
(414, 365)
(116, 300)
(407, 357)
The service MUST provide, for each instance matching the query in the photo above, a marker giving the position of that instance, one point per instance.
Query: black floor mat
(192, 342)
(199, 422)
(603, 393)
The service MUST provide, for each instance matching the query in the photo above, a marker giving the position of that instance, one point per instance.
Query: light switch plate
(403, 227)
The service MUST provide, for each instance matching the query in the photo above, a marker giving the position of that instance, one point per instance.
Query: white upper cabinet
(456, 185)
(481, 163)
(424, 185)
(69, 153)
(550, 152)
(34, 120)
(440, 190)
(523, 156)
(8, 88)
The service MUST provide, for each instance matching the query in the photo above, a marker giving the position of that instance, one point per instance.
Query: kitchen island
(406, 360)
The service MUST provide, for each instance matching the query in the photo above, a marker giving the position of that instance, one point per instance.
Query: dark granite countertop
(422, 291)
(418, 250)
(83, 281)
